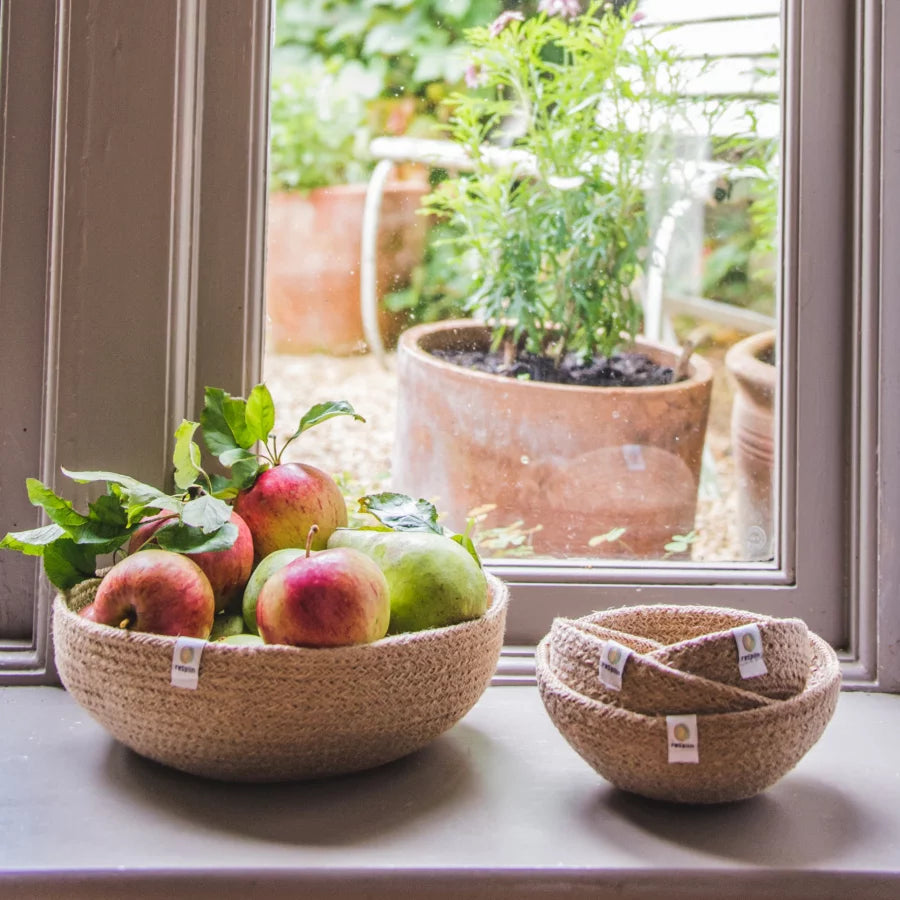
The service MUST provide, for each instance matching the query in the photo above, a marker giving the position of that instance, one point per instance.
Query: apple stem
(309, 539)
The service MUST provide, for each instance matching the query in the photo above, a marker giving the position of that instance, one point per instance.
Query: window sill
(498, 806)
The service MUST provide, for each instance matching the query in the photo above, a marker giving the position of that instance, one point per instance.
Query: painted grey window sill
(498, 807)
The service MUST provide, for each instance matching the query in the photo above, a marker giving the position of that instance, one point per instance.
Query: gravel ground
(359, 454)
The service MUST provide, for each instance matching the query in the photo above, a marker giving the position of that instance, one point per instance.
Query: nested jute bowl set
(680, 720)
(273, 712)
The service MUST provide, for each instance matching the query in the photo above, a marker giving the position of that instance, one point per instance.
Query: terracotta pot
(753, 442)
(579, 461)
(312, 269)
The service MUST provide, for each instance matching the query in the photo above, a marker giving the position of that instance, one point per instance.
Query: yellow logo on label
(681, 732)
(613, 656)
(749, 642)
(186, 655)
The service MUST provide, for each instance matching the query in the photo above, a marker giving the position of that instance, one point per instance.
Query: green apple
(226, 625)
(243, 640)
(432, 580)
(267, 567)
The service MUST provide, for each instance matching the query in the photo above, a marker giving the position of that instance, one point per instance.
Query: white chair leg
(368, 271)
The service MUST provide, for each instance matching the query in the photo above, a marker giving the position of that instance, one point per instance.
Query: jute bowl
(699, 640)
(740, 753)
(277, 713)
(648, 686)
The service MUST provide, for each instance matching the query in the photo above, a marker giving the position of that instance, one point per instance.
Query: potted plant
(317, 176)
(545, 404)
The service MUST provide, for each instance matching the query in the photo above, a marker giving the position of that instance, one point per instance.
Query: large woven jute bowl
(648, 686)
(699, 640)
(740, 754)
(277, 713)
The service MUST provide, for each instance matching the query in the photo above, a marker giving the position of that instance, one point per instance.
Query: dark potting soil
(620, 370)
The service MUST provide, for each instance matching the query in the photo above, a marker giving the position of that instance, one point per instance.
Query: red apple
(285, 502)
(156, 591)
(228, 570)
(330, 599)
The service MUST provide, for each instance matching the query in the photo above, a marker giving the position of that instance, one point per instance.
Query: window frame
(210, 250)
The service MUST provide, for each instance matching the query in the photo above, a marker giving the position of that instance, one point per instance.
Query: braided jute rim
(740, 753)
(272, 712)
(699, 640)
(648, 685)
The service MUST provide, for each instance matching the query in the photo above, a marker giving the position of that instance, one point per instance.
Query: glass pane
(602, 185)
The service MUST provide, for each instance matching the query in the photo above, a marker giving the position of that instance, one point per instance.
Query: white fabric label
(186, 662)
(750, 651)
(684, 740)
(634, 457)
(613, 657)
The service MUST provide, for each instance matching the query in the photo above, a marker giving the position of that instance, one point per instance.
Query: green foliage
(558, 235)
(412, 47)
(233, 427)
(439, 286)
(318, 134)
(194, 520)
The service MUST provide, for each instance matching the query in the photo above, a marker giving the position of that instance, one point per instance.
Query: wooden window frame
(143, 281)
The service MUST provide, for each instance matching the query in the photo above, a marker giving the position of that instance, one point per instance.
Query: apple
(271, 564)
(226, 624)
(432, 580)
(285, 501)
(155, 591)
(329, 599)
(227, 570)
(242, 640)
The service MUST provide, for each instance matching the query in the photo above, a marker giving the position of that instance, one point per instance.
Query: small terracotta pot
(312, 269)
(753, 442)
(578, 461)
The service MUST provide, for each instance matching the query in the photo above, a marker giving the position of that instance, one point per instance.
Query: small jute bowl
(699, 640)
(740, 754)
(648, 686)
(272, 712)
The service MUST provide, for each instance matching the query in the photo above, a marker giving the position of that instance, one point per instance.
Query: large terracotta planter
(579, 461)
(312, 270)
(753, 443)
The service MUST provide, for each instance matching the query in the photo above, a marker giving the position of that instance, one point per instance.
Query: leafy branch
(234, 426)
(398, 512)
(193, 520)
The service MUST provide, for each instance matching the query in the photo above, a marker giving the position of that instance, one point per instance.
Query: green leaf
(58, 510)
(135, 492)
(67, 564)
(467, 544)
(33, 541)
(230, 457)
(184, 539)
(245, 471)
(235, 409)
(401, 513)
(187, 455)
(610, 537)
(321, 412)
(217, 434)
(260, 413)
(206, 513)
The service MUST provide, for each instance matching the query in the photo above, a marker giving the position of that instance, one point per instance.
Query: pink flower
(638, 17)
(473, 76)
(504, 19)
(566, 9)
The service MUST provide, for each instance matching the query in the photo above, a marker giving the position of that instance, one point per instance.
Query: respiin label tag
(186, 662)
(750, 651)
(613, 657)
(684, 739)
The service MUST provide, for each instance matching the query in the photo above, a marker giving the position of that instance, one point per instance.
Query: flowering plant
(583, 105)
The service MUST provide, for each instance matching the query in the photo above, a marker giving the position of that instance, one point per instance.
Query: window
(154, 283)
